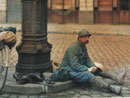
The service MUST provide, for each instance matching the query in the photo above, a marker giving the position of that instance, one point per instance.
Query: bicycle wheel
(3, 76)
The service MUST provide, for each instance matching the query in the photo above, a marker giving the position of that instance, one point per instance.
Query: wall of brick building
(86, 15)
(12, 12)
(3, 10)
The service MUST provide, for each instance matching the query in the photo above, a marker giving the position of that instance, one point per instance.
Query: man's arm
(89, 62)
(73, 58)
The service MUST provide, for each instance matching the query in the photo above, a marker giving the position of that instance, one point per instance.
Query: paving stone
(117, 97)
(125, 89)
(77, 90)
(77, 95)
(60, 94)
(126, 95)
(127, 84)
(1, 97)
(13, 96)
(5, 95)
(126, 92)
(23, 96)
(85, 97)
(96, 92)
(85, 92)
(42, 96)
(33, 96)
(96, 95)
(70, 92)
(107, 94)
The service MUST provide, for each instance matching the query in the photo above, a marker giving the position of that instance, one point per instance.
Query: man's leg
(82, 77)
(103, 85)
(119, 78)
(88, 77)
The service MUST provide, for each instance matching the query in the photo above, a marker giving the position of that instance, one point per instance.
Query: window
(124, 4)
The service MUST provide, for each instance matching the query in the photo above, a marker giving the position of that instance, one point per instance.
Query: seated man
(82, 69)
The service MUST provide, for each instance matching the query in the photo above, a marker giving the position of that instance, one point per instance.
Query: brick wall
(3, 9)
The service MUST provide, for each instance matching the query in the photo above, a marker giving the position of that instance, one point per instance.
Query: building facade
(73, 11)
(10, 11)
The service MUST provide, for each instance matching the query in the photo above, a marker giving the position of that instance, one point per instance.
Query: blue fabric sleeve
(89, 62)
(73, 59)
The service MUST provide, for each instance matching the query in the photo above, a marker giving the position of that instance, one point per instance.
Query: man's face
(84, 39)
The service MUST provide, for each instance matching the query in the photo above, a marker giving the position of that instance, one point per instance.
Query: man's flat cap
(83, 32)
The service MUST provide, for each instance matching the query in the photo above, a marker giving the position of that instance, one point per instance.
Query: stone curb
(13, 87)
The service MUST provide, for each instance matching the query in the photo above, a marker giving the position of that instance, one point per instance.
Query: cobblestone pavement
(111, 50)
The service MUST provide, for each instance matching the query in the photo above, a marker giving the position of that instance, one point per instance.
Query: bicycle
(4, 63)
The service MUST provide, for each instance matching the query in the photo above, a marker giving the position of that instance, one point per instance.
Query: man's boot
(120, 78)
(103, 85)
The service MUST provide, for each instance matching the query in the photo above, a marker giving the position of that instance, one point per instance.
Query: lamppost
(34, 51)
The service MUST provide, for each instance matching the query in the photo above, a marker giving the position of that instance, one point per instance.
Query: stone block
(59, 86)
(13, 87)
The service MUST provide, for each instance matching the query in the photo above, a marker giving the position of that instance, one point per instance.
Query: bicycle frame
(5, 56)
(4, 66)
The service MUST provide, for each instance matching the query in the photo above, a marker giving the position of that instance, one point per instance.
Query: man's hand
(92, 69)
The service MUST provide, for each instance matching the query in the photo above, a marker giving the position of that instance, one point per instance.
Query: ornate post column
(34, 51)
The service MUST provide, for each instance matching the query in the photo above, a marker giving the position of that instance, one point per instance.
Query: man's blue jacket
(76, 57)
(77, 61)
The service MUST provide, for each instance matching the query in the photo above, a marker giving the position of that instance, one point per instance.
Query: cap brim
(84, 35)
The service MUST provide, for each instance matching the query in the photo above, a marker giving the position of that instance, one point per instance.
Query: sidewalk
(73, 28)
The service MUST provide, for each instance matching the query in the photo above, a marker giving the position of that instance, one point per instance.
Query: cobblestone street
(113, 51)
